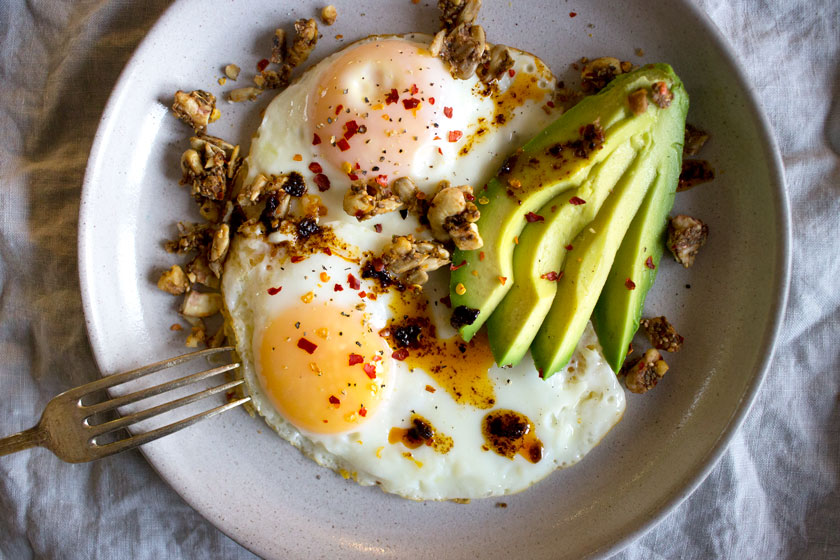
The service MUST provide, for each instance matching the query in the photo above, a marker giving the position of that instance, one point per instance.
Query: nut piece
(453, 214)
(695, 139)
(410, 260)
(638, 101)
(646, 373)
(232, 71)
(306, 36)
(329, 14)
(694, 172)
(685, 237)
(456, 12)
(194, 108)
(221, 240)
(414, 199)
(191, 237)
(198, 271)
(596, 74)
(244, 94)
(496, 62)
(463, 48)
(662, 334)
(367, 200)
(174, 281)
(209, 166)
(201, 304)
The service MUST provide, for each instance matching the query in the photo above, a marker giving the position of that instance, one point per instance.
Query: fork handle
(22, 440)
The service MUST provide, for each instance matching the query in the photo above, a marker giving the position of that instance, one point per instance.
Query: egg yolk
(322, 368)
(382, 106)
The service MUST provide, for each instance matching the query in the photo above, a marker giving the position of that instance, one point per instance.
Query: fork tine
(112, 380)
(155, 390)
(105, 427)
(146, 437)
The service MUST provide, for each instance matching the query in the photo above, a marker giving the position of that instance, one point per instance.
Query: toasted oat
(662, 334)
(646, 373)
(685, 237)
(174, 281)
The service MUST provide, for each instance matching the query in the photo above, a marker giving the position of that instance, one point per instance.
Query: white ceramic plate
(261, 491)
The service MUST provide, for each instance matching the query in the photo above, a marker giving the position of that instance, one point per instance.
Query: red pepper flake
(327, 251)
(353, 177)
(530, 217)
(569, 247)
(297, 258)
(411, 103)
(350, 130)
(339, 108)
(362, 294)
(315, 167)
(414, 89)
(358, 166)
(378, 265)
(550, 104)
(572, 14)
(454, 267)
(502, 280)
(334, 401)
(455, 135)
(431, 101)
(343, 145)
(382, 180)
(649, 263)
(577, 201)
(371, 296)
(353, 282)
(355, 359)
(370, 370)
(322, 181)
(469, 196)
(511, 72)
(306, 345)
(430, 389)
(338, 288)
(377, 228)
(392, 97)
(400, 354)
(481, 256)
(552, 276)
(262, 64)
(440, 151)
(448, 112)
(362, 411)
(630, 284)
(274, 291)
(447, 301)
(316, 139)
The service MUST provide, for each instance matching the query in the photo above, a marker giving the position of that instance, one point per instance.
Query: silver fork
(65, 427)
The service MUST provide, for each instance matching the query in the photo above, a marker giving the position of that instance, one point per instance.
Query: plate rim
(643, 523)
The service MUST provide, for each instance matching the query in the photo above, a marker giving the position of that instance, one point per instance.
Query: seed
(460, 289)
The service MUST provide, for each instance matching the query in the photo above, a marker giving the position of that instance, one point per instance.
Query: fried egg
(371, 381)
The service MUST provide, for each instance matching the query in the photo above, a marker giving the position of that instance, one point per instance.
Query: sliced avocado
(558, 159)
(589, 263)
(542, 250)
(619, 310)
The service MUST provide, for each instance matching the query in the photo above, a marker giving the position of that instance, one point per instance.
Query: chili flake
(297, 157)
(569, 247)
(370, 370)
(649, 263)
(378, 228)
(262, 64)
(411, 103)
(306, 345)
(460, 289)
(324, 277)
(322, 181)
(274, 291)
(448, 112)
(355, 359)
(400, 354)
(334, 401)
(338, 288)
(362, 411)
(630, 284)
(454, 267)
(552, 276)
(481, 256)
(502, 280)
(339, 108)
(447, 301)
(431, 101)
(296, 258)
(430, 389)
(343, 145)
(382, 180)
(413, 89)
(530, 217)
(350, 129)
(577, 201)
(392, 97)
(316, 139)
(353, 282)
(455, 135)
(315, 167)
(511, 72)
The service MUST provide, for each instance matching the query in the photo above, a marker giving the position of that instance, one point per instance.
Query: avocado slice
(619, 310)
(542, 250)
(558, 159)
(589, 264)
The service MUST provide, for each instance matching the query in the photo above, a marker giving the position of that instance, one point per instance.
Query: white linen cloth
(775, 491)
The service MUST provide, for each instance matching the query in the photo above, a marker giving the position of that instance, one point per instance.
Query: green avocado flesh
(589, 264)
(619, 310)
(550, 164)
(541, 250)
